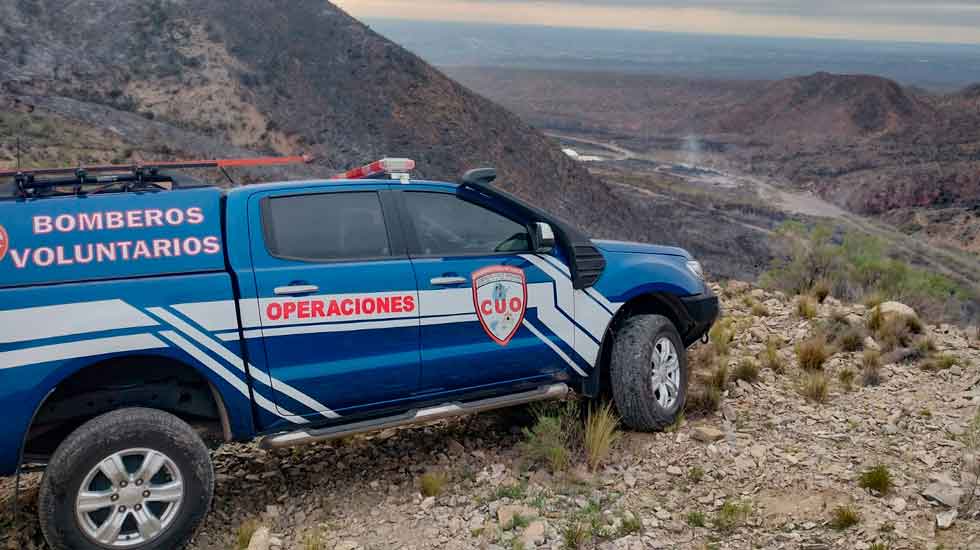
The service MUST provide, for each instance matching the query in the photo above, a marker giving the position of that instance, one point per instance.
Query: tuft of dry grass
(851, 340)
(815, 387)
(940, 363)
(315, 540)
(575, 536)
(846, 378)
(243, 534)
(813, 353)
(877, 479)
(721, 336)
(876, 319)
(821, 290)
(718, 378)
(844, 517)
(806, 307)
(705, 400)
(770, 356)
(760, 310)
(871, 368)
(431, 484)
(547, 442)
(894, 333)
(601, 434)
(747, 370)
(731, 515)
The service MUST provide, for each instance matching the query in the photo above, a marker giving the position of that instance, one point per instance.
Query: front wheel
(648, 372)
(135, 478)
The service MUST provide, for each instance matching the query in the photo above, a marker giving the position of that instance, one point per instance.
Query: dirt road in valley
(959, 266)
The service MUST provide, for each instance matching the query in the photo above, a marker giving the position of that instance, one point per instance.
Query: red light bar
(376, 168)
(217, 163)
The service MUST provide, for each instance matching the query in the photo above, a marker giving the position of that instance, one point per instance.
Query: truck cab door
(489, 315)
(337, 299)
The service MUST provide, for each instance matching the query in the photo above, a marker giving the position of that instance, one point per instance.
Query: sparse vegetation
(629, 524)
(705, 400)
(721, 336)
(731, 515)
(547, 441)
(575, 535)
(315, 540)
(851, 340)
(517, 522)
(813, 353)
(940, 363)
(770, 356)
(806, 307)
(877, 479)
(601, 434)
(815, 387)
(871, 368)
(846, 378)
(821, 290)
(243, 535)
(844, 517)
(747, 370)
(759, 310)
(859, 267)
(718, 379)
(696, 519)
(431, 484)
(695, 474)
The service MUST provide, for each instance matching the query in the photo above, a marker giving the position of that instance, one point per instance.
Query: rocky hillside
(113, 80)
(875, 444)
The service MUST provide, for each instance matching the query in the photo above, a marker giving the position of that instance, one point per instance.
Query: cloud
(903, 20)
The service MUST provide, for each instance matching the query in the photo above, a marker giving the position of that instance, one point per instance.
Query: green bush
(859, 267)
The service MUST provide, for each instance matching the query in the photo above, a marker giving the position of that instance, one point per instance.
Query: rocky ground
(767, 470)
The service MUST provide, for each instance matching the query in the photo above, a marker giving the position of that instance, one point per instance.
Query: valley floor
(767, 471)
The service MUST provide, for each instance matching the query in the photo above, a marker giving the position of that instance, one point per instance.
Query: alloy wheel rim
(130, 497)
(665, 377)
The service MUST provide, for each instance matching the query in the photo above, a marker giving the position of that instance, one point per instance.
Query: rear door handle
(294, 290)
(443, 281)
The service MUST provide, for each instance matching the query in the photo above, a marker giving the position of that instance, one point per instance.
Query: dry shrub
(821, 290)
(747, 370)
(704, 400)
(813, 353)
(846, 378)
(871, 368)
(815, 386)
(894, 333)
(806, 307)
(431, 484)
(601, 433)
(877, 479)
(770, 356)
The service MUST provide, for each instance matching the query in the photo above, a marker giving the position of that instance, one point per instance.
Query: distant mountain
(828, 106)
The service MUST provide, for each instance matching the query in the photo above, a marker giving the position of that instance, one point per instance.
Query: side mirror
(544, 237)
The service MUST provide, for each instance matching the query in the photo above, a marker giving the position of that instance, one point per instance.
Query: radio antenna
(18, 152)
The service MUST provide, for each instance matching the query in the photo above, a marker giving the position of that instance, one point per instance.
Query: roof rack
(126, 177)
(395, 168)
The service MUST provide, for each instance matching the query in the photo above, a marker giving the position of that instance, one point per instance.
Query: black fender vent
(587, 265)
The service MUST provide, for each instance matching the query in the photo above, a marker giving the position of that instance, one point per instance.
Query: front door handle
(444, 281)
(294, 290)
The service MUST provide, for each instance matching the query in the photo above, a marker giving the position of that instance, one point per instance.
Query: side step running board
(446, 410)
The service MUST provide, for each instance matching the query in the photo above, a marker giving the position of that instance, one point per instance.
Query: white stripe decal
(74, 350)
(34, 323)
(257, 374)
(554, 261)
(232, 379)
(553, 347)
(213, 316)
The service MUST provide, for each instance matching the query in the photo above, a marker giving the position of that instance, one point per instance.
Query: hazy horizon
(953, 22)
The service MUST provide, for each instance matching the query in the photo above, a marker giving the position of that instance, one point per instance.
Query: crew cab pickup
(140, 318)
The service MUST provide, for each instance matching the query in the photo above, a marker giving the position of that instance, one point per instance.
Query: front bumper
(702, 311)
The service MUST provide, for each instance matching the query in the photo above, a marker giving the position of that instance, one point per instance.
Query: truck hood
(641, 248)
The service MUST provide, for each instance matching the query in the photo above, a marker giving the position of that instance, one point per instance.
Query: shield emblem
(500, 299)
(4, 242)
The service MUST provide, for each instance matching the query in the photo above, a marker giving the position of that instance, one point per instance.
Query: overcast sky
(912, 20)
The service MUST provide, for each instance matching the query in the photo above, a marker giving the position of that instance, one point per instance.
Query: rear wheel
(648, 372)
(133, 478)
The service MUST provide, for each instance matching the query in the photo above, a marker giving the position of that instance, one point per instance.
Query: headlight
(695, 267)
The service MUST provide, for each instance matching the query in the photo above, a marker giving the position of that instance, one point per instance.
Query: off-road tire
(113, 432)
(631, 369)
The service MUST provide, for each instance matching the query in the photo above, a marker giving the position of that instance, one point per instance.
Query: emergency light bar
(395, 168)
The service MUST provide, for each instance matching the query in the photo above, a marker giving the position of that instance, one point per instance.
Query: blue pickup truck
(142, 320)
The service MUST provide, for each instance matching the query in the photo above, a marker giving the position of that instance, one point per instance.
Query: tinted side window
(328, 226)
(447, 225)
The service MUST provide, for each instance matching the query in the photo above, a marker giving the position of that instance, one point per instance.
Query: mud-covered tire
(115, 434)
(632, 369)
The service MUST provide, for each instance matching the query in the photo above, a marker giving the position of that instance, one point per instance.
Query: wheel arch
(652, 303)
(137, 380)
